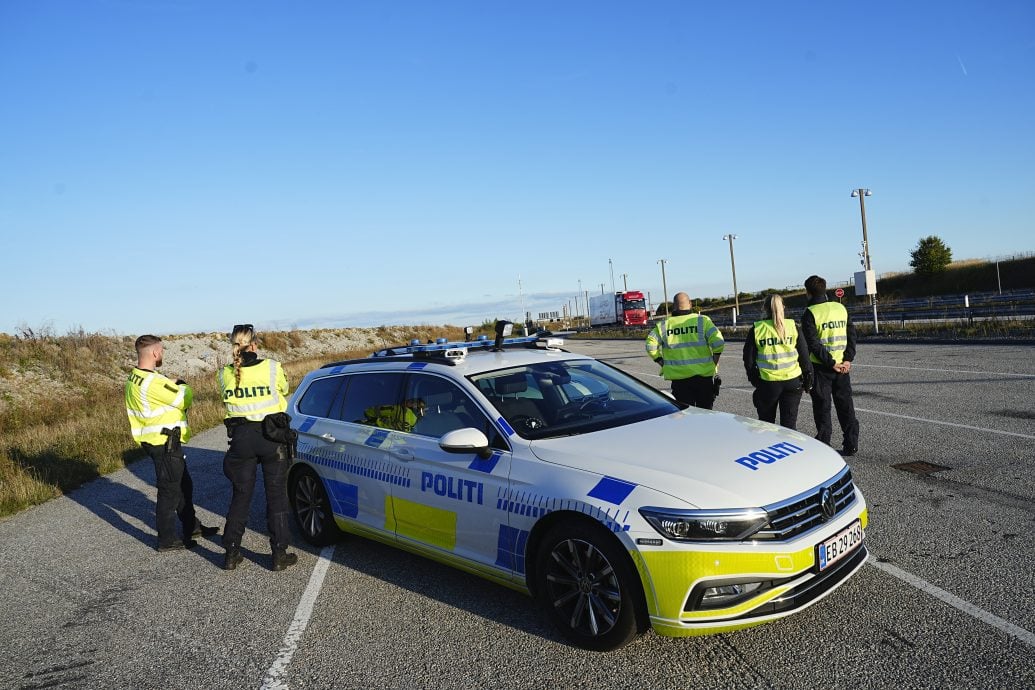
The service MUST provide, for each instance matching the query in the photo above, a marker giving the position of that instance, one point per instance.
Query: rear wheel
(312, 508)
(588, 587)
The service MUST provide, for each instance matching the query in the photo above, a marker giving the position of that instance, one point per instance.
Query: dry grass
(71, 427)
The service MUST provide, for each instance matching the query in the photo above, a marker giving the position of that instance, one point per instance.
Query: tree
(930, 256)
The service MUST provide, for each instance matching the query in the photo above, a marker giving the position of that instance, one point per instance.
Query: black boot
(201, 530)
(282, 559)
(233, 558)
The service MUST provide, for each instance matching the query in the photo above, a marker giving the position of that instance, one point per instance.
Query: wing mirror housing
(467, 440)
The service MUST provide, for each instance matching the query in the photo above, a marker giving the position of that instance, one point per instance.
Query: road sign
(839, 293)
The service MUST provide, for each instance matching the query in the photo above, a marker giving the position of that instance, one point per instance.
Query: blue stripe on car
(612, 490)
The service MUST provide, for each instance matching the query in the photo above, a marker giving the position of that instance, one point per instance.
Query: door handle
(328, 438)
(404, 454)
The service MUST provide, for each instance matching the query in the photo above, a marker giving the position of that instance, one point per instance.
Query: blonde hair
(241, 338)
(773, 306)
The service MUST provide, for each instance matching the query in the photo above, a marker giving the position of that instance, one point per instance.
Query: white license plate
(838, 546)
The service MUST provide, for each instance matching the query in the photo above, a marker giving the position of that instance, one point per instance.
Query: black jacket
(811, 333)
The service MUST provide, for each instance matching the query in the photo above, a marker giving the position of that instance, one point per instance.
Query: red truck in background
(618, 308)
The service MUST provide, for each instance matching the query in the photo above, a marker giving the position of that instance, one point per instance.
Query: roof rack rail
(455, 351)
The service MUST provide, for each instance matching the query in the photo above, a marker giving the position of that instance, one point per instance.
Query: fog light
(715, 597)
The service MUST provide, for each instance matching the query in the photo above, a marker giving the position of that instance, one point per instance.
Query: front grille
(802, 513)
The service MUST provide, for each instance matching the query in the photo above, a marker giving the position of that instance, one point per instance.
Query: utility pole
(862, 194)
(521, 298)
(664, 285)
(625, 281)
(733, 265)
(611, 267)
(578, 296)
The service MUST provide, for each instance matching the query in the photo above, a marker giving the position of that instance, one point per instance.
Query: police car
(560, 476)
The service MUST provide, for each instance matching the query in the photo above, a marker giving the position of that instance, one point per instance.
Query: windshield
(634, 304)
(568, 398)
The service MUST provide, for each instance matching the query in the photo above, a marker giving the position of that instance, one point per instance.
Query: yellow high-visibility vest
(832, 326)
(777, 357)
(687, 343)
(155, 402)
(262, 391)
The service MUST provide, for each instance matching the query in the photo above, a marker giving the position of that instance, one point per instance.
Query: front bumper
(674, 581)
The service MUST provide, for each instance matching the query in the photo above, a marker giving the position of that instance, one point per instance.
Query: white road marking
(276, 676)
(944, 371)
(958, 426)
(928, 421)
(995, 621)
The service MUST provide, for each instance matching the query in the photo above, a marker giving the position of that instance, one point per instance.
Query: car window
(318, 398)
(441, 406)
(374, 399)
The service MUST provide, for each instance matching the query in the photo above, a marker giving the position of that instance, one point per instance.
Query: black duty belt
(234, 422)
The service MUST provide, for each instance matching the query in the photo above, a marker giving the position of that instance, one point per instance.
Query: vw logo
(827, 504)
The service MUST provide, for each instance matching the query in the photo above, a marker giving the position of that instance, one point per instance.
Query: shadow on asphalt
(442, 583)
(108, 500)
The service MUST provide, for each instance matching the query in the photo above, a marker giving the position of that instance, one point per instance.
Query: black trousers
(175, 494)
(696, 390)
(832, 385)
(249, 449)
(785, 395)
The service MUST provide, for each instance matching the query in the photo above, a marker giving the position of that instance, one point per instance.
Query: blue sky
(177, 166)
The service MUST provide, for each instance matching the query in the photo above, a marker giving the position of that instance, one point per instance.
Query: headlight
(706, 525)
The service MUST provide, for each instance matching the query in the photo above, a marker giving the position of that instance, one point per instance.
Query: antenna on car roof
(503, 329)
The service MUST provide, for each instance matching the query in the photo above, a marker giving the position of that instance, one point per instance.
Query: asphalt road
(945, 601)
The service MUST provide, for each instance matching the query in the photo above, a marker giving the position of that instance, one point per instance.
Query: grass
(71, 427)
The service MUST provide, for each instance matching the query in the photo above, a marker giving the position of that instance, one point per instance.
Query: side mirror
(467, 440)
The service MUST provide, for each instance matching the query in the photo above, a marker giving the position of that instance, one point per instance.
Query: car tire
(587, 585)
(312, 508)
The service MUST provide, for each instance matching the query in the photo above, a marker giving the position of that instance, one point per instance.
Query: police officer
(687, 346)
(777, 364)
(830, 336)
(157, 410)
(255, 394)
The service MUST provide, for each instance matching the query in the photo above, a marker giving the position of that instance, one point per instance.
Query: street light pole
(664, 286)
(611, 268)
(862, 194)
(733, 265)
(625, 281)
(578, 312)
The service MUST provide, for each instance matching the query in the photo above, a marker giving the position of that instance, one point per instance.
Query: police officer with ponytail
(777, 364)
(830, 336)
(255, 394)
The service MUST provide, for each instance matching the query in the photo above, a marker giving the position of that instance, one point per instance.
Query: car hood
(703, 458)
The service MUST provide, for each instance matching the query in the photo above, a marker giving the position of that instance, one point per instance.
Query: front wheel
(588, 587)
(312, 508)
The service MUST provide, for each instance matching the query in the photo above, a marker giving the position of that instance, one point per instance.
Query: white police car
(563, 477)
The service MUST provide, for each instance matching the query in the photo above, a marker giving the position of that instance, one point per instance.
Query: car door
(455, 505)
(350, 449)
